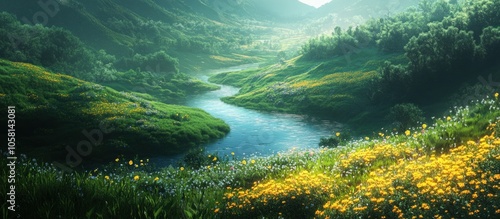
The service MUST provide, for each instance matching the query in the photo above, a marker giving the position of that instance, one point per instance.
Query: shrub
(405, 115)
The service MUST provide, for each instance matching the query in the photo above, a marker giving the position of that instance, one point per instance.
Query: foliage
(54, 48)
(158, 62)
(442, 41)
(447, 47)
(490, 42)
(405, 115)
(338, 44)
(336, 140)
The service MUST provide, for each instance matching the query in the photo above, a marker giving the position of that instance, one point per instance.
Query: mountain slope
(124, 28)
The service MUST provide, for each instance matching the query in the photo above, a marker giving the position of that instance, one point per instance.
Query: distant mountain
(276, 10)
(363, 8)
(284, 8)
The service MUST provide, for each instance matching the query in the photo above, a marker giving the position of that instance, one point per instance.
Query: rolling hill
(56, 113)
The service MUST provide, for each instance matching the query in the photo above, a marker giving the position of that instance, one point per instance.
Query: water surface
(255, 132)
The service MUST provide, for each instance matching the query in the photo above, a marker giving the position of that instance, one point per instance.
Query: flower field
(448, 169)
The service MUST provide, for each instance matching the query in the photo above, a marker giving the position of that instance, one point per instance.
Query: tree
(394, 81)
(405, 115)
(439, 51)
(490, 43)
(481, 14)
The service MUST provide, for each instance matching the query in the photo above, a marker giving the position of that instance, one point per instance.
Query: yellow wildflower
(130, 162)
(407, 132)
(425, 206)
(337, 134)
(424, 126)
(181, 168)
(136, 177)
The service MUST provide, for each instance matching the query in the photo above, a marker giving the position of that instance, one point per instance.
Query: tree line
(442, 41)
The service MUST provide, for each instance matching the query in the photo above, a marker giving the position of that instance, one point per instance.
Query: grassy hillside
(448, 169)
(53, 111)
(335, 87)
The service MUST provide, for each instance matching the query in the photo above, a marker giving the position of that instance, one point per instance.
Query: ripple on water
(255, 132)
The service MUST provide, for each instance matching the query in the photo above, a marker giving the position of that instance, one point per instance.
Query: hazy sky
(315, 3)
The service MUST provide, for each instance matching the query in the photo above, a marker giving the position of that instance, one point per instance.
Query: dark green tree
(405, 115)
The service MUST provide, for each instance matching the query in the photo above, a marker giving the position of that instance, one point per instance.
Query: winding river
(257, 132)
(253, 132)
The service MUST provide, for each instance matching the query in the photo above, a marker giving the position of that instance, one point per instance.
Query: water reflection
(256, 132)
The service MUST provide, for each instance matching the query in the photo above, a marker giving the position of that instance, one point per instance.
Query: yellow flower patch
(424, 183)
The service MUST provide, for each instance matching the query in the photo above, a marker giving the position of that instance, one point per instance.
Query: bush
(334, 140)
(405, 115)
(195, 158)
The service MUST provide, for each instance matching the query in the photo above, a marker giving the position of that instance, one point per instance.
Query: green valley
(250, 109)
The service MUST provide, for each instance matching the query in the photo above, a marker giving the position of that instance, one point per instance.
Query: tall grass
(449, 169)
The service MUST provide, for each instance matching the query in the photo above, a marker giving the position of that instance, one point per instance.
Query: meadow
(55, 109)
(339, 88)
(447, 169)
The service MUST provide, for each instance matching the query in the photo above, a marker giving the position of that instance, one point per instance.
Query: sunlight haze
(315, 3)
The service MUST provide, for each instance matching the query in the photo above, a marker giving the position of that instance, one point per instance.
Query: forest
(103, 102)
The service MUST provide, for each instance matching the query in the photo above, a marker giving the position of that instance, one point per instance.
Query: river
(253, 132)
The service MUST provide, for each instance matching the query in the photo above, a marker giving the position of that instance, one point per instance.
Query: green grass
(446, 169)
(54, 109)
(160, 89)
(199, 62)
(338, 88)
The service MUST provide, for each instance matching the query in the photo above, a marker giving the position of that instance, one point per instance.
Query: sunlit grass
(65, 106)
(389, 175)
(335, 87)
